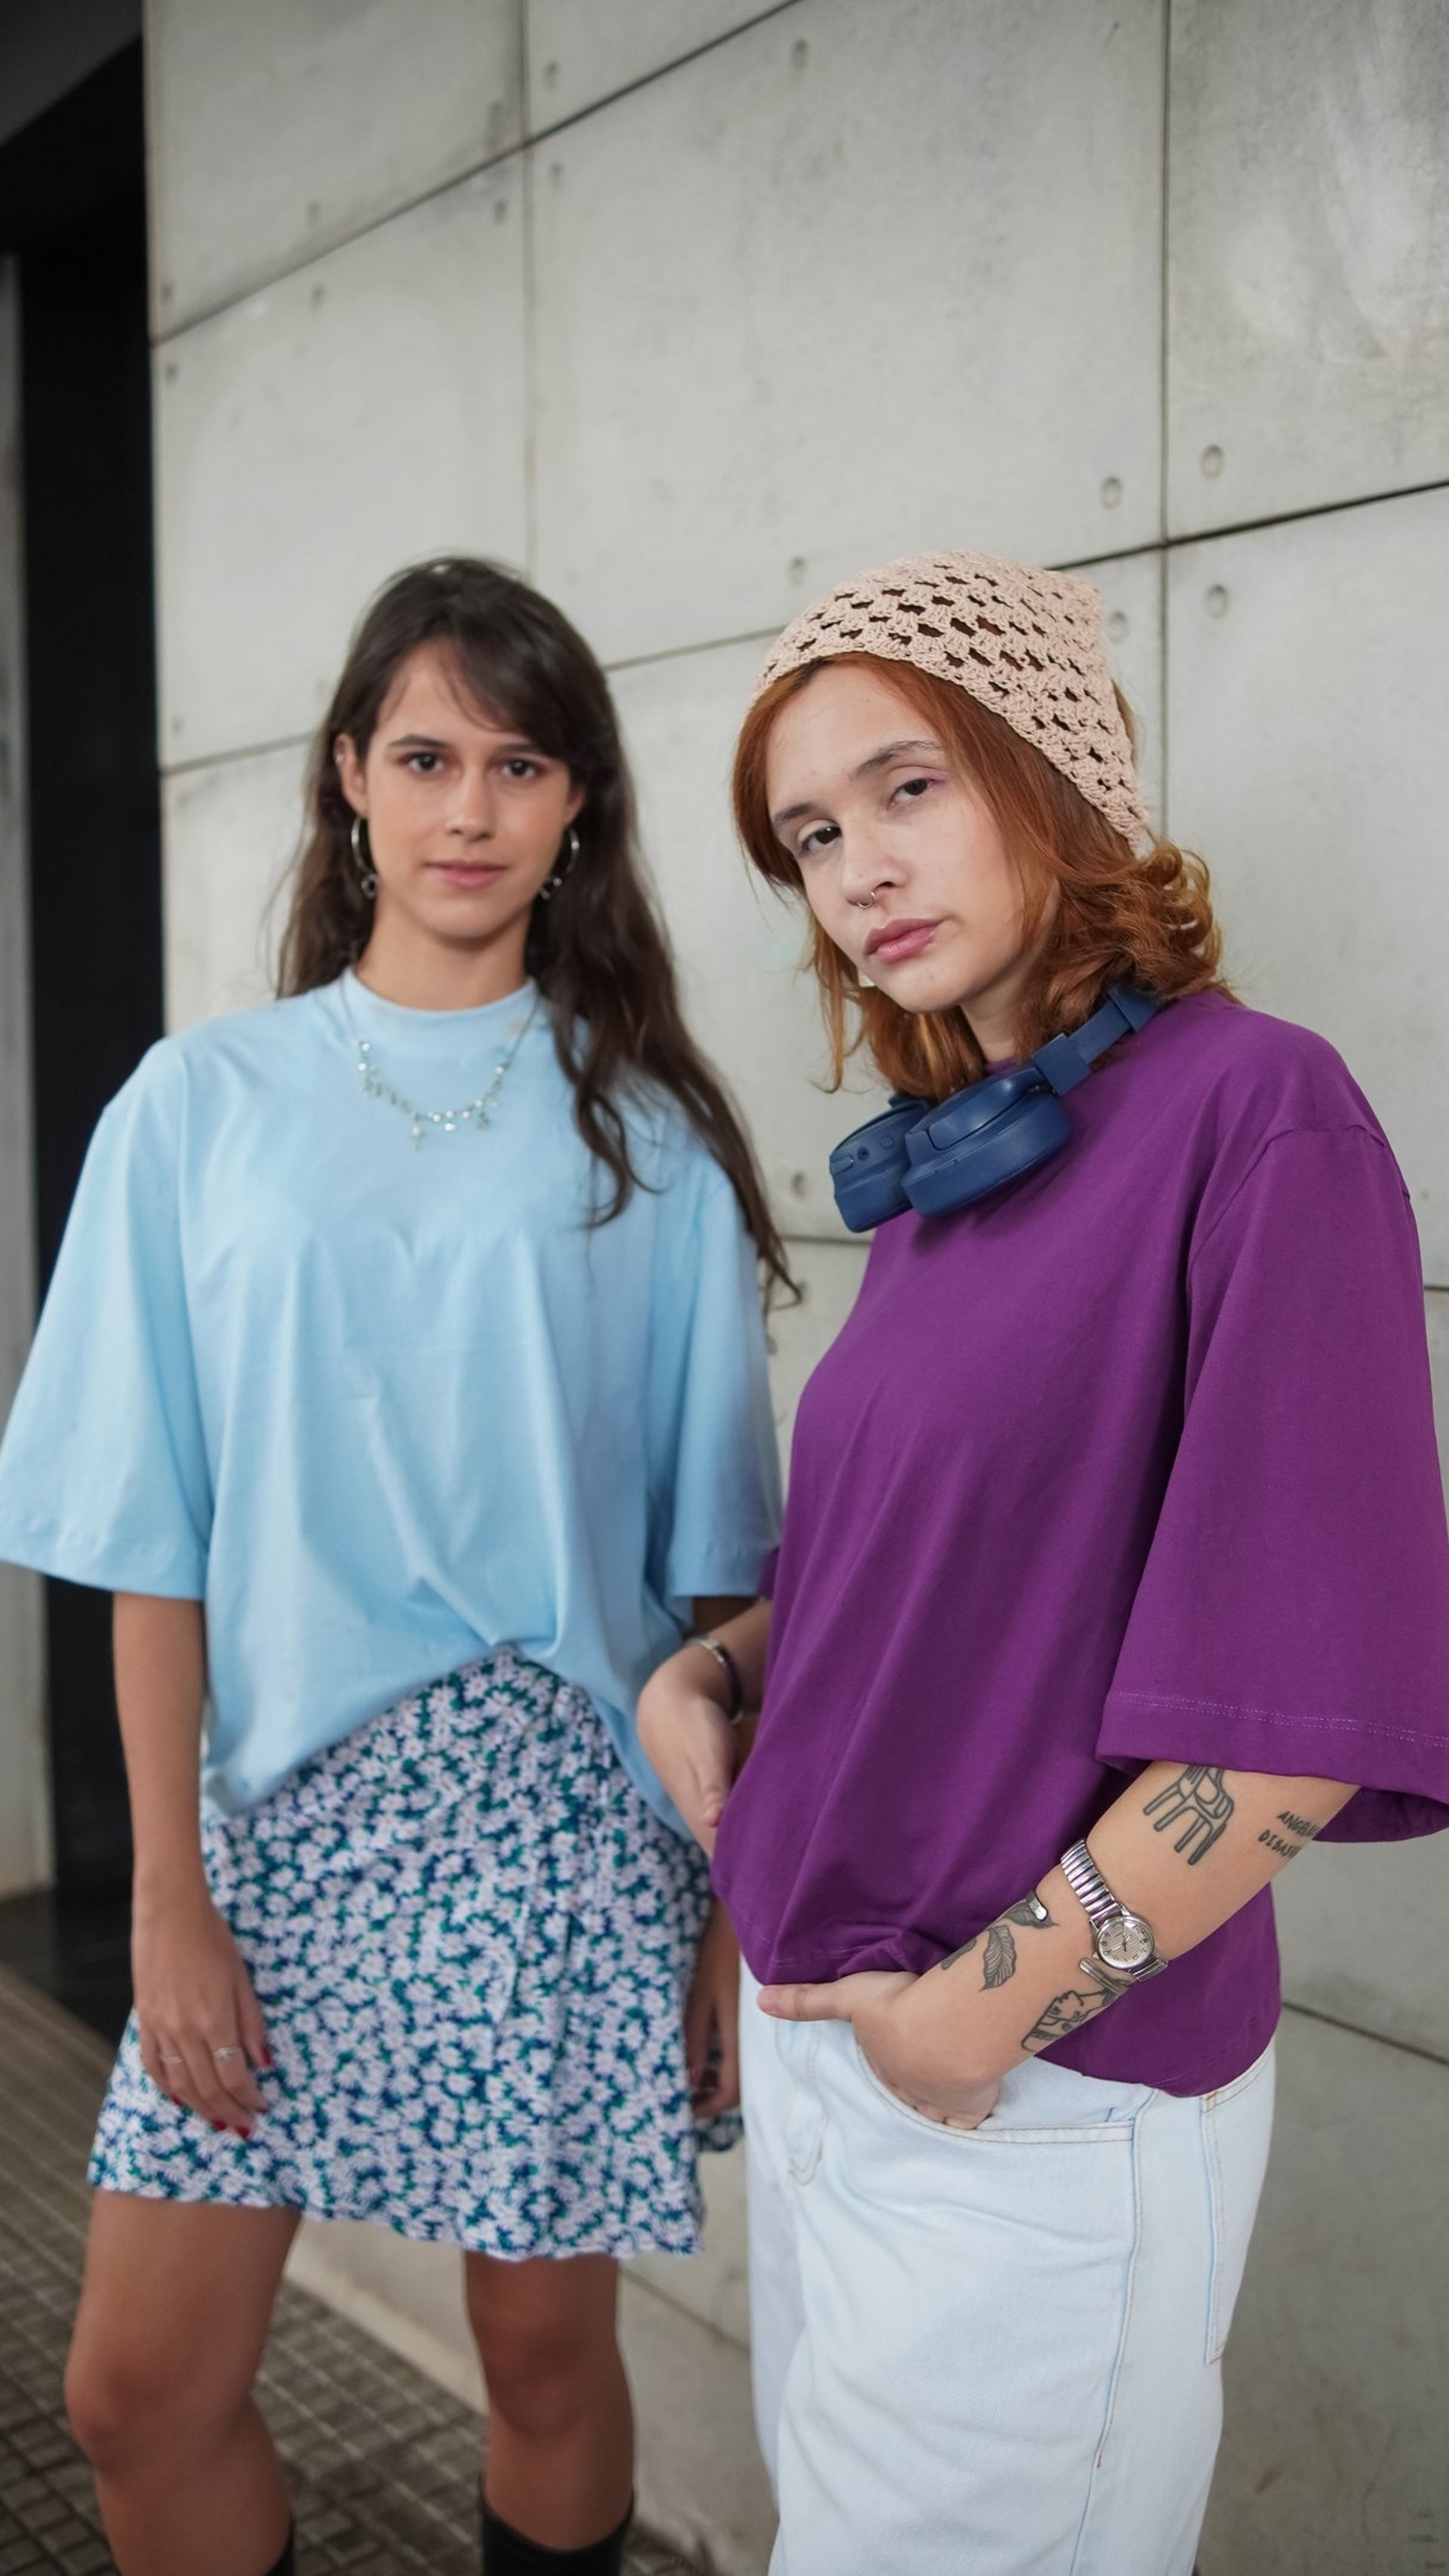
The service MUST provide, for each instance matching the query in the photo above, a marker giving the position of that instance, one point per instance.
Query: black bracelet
(731, 1671)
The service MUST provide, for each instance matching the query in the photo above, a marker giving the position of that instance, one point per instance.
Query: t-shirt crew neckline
(401, 1025)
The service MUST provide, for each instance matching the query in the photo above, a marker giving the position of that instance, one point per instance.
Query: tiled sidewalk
(383, 2464)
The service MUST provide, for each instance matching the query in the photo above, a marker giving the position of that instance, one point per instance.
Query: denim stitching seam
(1077, 2567)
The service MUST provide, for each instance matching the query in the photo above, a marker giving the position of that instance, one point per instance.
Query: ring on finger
(171, 2061)
(221, 2054)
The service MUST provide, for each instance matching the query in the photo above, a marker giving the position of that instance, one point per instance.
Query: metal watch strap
(730, 1670)
(1089, 1886)
(1104, 1911)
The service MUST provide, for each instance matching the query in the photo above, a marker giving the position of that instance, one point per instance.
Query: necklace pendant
(477, 1113)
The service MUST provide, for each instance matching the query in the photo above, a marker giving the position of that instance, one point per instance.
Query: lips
(890, 941)
(460, 872)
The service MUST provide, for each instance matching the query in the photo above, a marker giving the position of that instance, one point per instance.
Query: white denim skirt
(993, 2349)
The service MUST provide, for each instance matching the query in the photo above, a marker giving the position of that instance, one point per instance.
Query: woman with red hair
(1114, 1573)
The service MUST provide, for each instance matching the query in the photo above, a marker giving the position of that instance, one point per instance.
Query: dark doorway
(72, 206)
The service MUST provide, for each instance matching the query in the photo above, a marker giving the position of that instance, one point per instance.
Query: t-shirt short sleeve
(1293, 1611)
(103, 1471)
(714, 1464)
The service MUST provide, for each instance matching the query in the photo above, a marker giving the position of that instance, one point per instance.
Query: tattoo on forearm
(1298, 1825)
(999, 1963)
(1066, 2012)
(1198, 1801)
(1275, 1843)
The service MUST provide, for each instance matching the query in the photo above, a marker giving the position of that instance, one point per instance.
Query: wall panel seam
(1164, 254)
(1362, 2030)
(530, 324)
(236, 751)
(661, 71)
(520, 151)
(765, 635)
(1248, 527)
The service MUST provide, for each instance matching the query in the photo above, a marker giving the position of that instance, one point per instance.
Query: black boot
(287, 2564)
(507, 2553)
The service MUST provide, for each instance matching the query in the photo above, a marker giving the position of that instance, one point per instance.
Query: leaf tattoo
(999, 1963)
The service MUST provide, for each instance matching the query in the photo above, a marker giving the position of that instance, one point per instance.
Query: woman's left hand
(908, 2042)
(712, 2020)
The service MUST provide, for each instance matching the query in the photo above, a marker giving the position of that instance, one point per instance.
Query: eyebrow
(889, 751)
(511, 744)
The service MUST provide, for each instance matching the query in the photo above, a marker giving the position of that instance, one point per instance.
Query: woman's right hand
(202, 2033)
(689, 1740)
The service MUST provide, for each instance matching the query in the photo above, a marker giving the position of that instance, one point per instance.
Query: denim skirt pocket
(1037, 2106)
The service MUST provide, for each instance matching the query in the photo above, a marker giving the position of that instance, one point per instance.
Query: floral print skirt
(472, 1940)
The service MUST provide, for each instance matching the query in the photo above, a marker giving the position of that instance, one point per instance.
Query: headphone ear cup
(950, 1168)
(867, 1171)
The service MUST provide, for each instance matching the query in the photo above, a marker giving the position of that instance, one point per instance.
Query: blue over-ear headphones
(996, 1130)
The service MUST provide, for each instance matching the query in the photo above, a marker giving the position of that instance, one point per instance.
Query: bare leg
(173, 2319)
(560, 2424)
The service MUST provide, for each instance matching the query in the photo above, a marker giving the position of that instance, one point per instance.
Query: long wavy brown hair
(1094, 912)
(598, 951)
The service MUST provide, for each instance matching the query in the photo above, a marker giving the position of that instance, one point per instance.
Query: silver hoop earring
(366, 872)
(551, 884)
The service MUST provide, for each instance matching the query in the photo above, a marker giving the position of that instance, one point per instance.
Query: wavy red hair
(1095, 912)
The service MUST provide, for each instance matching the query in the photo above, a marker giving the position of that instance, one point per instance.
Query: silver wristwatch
(1124, 1943)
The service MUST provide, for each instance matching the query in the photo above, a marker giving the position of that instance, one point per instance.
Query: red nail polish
(268, 2059)
(220, 2127)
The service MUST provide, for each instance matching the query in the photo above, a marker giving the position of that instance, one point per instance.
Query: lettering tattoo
(999, 1963)
(1198, 1801)
(1298, 1825)
(1275, 1843)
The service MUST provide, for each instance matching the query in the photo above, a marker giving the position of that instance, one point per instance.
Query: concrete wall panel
(579, 53)
(1309, 250)
(1333, 2460)
(364, 412)
(230, 830)
(860, 282)
(1364, 1929)
(280, 128)
(1308, 674)
(739, 946)
(1132, 589)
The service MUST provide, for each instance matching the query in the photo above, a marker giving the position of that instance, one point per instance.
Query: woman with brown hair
(403, 1376)
(1113, 1574)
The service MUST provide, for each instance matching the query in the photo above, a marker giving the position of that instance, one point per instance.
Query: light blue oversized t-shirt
(384, 1406)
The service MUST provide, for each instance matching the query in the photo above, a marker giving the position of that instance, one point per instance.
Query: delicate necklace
(472, 1113)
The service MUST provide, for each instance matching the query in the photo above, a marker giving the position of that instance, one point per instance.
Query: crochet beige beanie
(1028, 644)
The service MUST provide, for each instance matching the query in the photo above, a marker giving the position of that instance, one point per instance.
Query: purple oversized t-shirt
(1133, 1461)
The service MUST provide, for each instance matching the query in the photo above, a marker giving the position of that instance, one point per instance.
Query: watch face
(1125, 1943)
